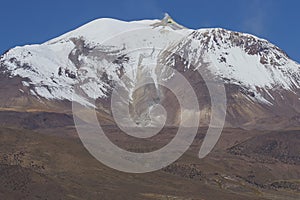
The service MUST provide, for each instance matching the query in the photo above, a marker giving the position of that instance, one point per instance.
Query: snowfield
(95, 56)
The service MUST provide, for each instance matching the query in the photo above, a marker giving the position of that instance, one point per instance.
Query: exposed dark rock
(270, 148)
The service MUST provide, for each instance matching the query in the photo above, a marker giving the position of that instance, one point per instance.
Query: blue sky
(36, 21)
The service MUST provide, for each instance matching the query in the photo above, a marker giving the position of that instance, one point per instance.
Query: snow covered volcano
(262, 83)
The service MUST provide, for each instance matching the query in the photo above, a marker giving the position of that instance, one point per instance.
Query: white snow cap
(53, 74)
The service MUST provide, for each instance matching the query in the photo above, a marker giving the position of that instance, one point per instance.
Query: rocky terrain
(42, 164)
(257, 156)
(87, 64)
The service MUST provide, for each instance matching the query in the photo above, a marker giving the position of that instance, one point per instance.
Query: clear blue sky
(36, 21)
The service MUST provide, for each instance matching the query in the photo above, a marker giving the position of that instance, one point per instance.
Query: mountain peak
(51, 70)
(167, 21)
